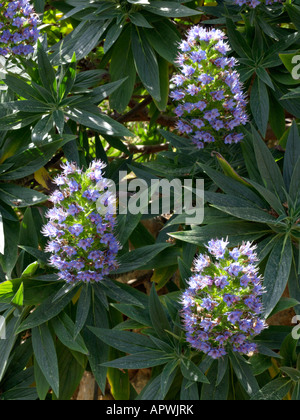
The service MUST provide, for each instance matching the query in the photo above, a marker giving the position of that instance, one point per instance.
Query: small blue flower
(218, 314)
(82, 241)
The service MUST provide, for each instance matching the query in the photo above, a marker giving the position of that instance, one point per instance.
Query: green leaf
(112, 35)
(125, 341)
(237, 40)
(158, 316)
(18, 299)
(259, 102)
(99, 122)
(7, 345)
(292, 154)
(45, 354)
(46, 71)
(167, 377)
(100, 93)
(295, 182)
(98, 350)
(277, 273)
(139, 20)
(216, 391)
(189, 391)
(294, 374)
(164, 84)
(140, 360)
(275, 390)
(83, 307)
(244, 373)
(42, 129)
(42, 386)
(47, 310)
(283, 304)
(267, 166)
(294, 14)
(70, 372)
(16, 196)
(139, 257)
(146, 63)
(122, 65)
(64, 328)
(164, 40)
(191, 372)
(170, 9)
(288, 351)
(2, 237)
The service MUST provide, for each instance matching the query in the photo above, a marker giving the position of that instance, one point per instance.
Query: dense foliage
(96, 94)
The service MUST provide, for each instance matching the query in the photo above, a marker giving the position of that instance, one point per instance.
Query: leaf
(267, 166)
(70, 372)
(125, 341)
(99, 122)
(189, 391)
(46, 71)
(164, 84)
(295, 182)
(42, 386)
(45, 354)
(275, 390)
(64, 328)
(98, 350)
(292, 154)
(43, 177)
(170, 9)
(16, 196)
(216, 391)
(47, 310)
(139, 20)
(283, 304)
(122, 65)
(158, 316)
(139, 257)
(7, 344)
(146, 63)
(140, 360)
(191, 372)
(83, 307)
(244, 373)
(259, 102)
(42, 129)
(277, 273)
(2, 237)
(112, 35)
(164, 40)
(237, 41)
(294, 374)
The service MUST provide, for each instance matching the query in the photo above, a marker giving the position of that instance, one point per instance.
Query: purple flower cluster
(222, 305)
(18, 27)
(254, 3)
(210, 101)
(81, 225)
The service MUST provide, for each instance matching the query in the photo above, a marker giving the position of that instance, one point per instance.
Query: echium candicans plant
(81, 225)
(18, 26)
(210, 100)
(263, 207)
(222, 306)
